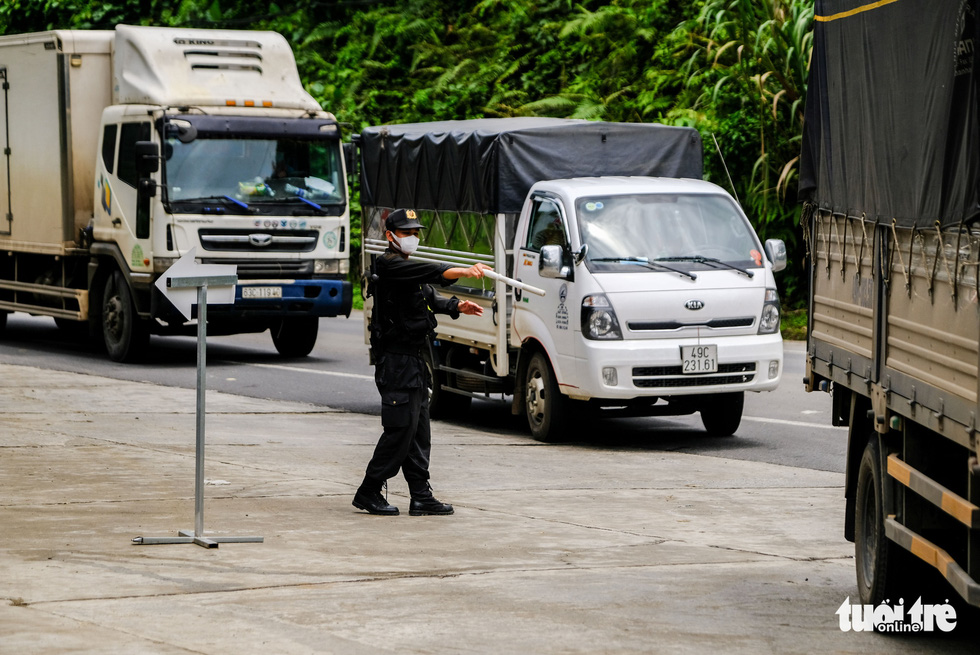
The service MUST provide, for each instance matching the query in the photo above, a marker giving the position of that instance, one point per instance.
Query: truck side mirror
(350, 159)
(552, 263)
(147, 158)
(776, 252)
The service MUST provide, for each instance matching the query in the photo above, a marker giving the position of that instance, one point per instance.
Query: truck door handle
(116, 222)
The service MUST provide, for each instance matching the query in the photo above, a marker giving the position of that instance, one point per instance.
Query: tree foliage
(734, 69)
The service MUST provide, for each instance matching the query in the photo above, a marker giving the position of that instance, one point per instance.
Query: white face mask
(407, 245)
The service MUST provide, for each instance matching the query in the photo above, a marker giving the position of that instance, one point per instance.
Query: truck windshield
(256, 171)
(689, 231)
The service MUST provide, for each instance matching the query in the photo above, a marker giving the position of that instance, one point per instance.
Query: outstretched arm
(469, 307)
(476, 270)
(453, 306)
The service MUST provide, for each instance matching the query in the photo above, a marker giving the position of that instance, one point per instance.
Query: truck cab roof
(578, 187)
(180, 66)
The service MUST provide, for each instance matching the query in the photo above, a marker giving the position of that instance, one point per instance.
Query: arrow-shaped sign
(180, 283)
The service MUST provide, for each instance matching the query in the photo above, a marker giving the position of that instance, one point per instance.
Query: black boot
(424, 503)
(370, 499)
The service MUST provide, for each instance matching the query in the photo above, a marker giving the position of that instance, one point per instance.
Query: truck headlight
(331, 266)
(769, 321)
(161, 264)
(599, 318)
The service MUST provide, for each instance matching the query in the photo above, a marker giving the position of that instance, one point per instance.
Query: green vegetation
(793, 325)
(734, 69)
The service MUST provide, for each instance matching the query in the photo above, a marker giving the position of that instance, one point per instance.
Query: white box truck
(123, 150)
(659, 297)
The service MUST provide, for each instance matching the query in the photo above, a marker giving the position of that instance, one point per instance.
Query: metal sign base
(188, 537)
(197, 535)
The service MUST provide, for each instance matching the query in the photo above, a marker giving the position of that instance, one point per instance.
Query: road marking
(802, 424)
(359, 376)
(299, 369)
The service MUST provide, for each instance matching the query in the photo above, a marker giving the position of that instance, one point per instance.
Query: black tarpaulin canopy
(488, 165)
(891, 117)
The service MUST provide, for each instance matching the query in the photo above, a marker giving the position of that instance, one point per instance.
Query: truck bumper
(299, 298)
(652, 368)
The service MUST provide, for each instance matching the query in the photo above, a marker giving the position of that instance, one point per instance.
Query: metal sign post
(172, 281)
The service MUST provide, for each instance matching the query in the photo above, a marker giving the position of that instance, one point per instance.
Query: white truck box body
(58, 86)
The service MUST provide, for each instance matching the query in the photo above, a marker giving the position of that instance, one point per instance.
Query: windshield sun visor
(262, 127)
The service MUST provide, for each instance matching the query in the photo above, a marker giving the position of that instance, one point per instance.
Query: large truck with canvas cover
(890, 175)
(658, 298)
(124, 150)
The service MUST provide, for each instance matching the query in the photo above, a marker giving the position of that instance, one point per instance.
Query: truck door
(116, 191)
(549, 318)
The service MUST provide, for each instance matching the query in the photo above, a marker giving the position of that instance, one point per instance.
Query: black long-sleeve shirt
(406, 303)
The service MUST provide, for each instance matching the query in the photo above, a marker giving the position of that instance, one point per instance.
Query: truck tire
(722, 413)
(443, 404)
(877, 559)
(295, 336)
(3, 320)
(546, 409)
(124, 333)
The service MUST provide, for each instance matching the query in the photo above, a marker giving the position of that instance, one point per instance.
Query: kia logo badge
(694, 305)
(260, 240)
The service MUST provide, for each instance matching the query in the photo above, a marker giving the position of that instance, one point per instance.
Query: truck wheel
(875, 556)
(722, 413)
(3, 320)
(295, 337)
(443, 404)
(544, 405)
(125, 335)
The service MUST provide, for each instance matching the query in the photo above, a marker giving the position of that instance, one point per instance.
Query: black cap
(402, 219)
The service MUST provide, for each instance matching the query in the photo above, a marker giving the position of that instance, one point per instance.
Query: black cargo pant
(406, 441)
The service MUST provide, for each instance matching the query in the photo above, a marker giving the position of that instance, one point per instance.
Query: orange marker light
(230, 103)
(249, 103)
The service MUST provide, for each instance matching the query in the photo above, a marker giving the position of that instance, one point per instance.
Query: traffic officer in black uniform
(402, 324)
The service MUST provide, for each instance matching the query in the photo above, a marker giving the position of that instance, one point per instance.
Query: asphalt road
(787, 426)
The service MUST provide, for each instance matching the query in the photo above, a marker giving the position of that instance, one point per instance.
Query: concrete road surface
(553, 548)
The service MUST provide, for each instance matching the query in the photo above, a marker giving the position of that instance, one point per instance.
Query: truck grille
(259, 240)
(259, 269)
(716, 323)
(649, 377)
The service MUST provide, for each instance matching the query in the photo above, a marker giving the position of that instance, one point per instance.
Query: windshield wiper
(318, 207)
(223, 198)
(707, 260)
(646, 263)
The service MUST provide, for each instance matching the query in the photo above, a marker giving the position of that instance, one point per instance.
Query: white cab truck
(658, 299)
(124, 150)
